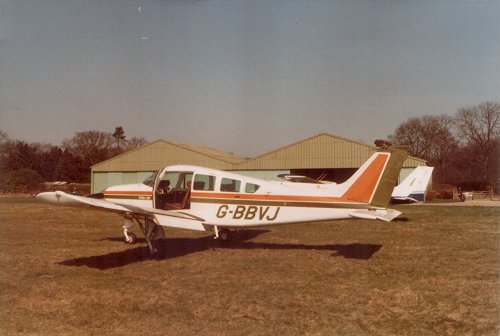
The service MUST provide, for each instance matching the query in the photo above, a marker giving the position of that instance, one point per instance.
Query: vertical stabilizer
(374, 181)
(390, 177)
(413, 187)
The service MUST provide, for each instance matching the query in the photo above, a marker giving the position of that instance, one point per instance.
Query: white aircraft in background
(204, 199)
(413, 188)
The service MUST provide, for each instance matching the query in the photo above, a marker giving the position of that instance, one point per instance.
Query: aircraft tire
(132, 238)
(225, 235)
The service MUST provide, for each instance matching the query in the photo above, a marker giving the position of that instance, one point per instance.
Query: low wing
(62, 198)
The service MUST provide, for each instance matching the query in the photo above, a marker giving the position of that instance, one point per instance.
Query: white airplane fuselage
(227, 199)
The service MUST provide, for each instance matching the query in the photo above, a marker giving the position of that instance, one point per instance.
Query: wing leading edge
(65, 199)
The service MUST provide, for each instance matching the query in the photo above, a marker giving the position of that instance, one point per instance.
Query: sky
(245, 77)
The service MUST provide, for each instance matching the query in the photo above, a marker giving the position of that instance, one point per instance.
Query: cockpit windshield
(150, 181)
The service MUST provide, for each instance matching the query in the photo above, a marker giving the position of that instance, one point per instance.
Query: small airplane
(413, 188)
(203, 199)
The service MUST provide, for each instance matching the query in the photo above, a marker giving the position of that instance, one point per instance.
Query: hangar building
(324, 155)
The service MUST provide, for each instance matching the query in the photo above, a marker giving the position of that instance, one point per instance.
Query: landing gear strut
(152, 232)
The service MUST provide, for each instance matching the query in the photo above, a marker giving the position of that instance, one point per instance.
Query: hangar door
(103, 180)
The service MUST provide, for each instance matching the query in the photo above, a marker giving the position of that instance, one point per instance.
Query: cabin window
(175, 180)
(230, 185)
(251, 188)
(204, 182)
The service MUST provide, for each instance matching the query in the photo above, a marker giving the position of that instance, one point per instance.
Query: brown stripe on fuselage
(282, 202)
(138, 195)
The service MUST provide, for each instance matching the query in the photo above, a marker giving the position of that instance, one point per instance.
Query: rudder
(374, 182)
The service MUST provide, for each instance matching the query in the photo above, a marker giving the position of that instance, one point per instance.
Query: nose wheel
(130, 238)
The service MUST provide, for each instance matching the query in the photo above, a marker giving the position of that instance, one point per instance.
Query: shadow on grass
(177, 247)
(348, 251)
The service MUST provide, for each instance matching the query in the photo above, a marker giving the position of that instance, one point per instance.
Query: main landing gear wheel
(224, 234)
(132, 238)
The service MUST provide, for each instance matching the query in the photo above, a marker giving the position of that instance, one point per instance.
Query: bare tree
(91, 146)
(411, 133)
(479, 126)
(134, 143)
(430, 138)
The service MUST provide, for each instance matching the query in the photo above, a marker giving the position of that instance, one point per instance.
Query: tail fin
(414, 186)
(374, 181)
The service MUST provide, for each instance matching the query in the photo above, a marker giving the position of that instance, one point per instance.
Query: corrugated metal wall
(159, 154)
(321, 151)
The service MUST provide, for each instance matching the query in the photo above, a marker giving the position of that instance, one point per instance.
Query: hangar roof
(320, 151)
(159, 154)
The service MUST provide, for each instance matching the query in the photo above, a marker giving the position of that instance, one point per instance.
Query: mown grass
(65, 272)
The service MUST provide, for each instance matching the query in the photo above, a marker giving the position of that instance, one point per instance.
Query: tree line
(463, 149)
(23, 166)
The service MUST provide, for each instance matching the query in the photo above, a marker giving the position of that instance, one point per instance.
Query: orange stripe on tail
(364, 187)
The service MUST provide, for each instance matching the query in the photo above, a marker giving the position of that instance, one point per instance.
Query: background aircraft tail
(374, 181)
(414, 186)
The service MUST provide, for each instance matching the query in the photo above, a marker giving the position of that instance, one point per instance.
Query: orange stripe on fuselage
(363, 188)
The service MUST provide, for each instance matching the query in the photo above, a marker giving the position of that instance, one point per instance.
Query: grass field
(65, 272)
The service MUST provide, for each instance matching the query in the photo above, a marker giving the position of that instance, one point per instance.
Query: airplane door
(171, 188)
(155, 186)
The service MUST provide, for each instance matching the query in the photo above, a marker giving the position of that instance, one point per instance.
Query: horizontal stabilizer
(386, 215)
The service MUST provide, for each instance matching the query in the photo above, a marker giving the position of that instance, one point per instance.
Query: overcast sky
(244, 76)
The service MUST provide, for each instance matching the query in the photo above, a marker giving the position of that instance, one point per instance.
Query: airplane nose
(40, 196)
(43, 196)
(48, 197)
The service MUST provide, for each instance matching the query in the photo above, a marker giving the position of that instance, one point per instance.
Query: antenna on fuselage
(321, 177)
